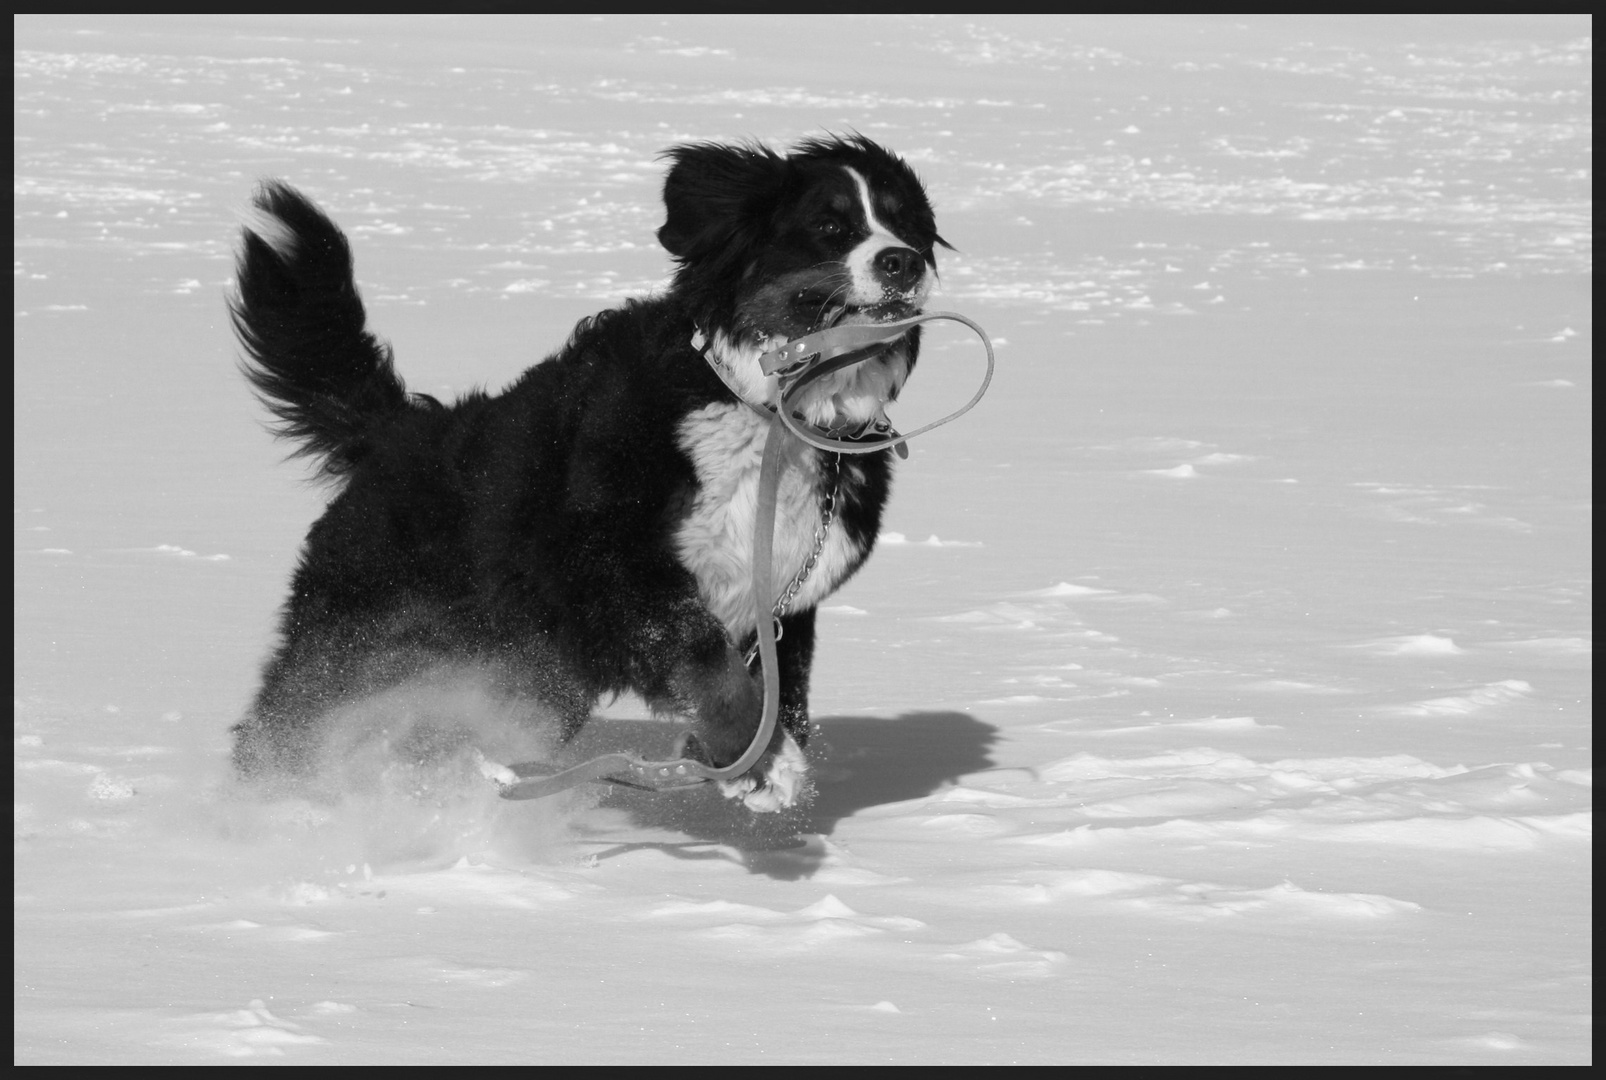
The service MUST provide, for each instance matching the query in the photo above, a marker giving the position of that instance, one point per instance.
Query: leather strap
(844, 342)
(535, 782)
(798, 363)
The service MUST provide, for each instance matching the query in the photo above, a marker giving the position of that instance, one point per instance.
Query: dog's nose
(899, 267)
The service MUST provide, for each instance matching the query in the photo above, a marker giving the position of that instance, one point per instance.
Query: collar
(701, 344)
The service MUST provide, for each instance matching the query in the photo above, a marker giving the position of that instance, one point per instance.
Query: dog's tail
(298, 315)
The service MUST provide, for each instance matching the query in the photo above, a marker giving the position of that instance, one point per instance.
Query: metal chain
(827, 515)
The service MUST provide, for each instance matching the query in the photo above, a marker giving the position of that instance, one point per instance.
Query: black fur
(532, 532)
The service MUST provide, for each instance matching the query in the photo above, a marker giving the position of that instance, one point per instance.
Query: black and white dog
(590, 529)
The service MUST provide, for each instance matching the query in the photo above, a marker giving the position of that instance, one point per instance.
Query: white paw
(784, 779)
(501, 775)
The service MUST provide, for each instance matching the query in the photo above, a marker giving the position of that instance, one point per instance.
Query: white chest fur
(715, 541)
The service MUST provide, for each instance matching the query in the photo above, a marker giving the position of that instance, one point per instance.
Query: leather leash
(797, 364)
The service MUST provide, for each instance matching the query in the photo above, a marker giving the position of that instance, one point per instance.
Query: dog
(589, 530)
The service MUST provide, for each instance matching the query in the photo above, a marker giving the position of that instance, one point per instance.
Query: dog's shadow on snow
(858, 763)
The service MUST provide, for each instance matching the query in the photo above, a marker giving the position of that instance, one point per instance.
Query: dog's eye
(828, 227)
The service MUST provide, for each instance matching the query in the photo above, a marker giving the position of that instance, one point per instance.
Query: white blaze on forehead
(860, 262)
(871, 221)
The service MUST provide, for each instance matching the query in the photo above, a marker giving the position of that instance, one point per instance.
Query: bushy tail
(298, 315)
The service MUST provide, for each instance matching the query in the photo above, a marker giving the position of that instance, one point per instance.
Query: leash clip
(830, 343)
(789, 358)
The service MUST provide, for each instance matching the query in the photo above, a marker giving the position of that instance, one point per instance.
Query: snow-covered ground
(1239, 714)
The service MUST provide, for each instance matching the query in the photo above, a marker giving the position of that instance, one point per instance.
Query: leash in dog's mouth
(838, 340)
(796, 364)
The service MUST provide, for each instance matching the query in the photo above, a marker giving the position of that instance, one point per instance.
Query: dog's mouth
(850, 314)
(769, 314)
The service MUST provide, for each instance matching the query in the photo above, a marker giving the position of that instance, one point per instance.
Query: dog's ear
(713, 189)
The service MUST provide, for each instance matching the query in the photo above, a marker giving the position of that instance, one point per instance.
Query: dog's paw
(775, 783)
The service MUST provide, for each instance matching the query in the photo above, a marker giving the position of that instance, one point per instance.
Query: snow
(1240, 714)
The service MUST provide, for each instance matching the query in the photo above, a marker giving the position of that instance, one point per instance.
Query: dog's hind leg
(280, 733)
(311, 675)
(530, 670)
(725, 702)
(320, 668)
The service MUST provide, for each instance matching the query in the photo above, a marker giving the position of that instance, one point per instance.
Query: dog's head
(771, 248)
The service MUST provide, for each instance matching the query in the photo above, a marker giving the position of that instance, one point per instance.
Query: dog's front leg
(795, 653)
(780, 778)
(714, 684)
(642, 623)
(711, 682)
